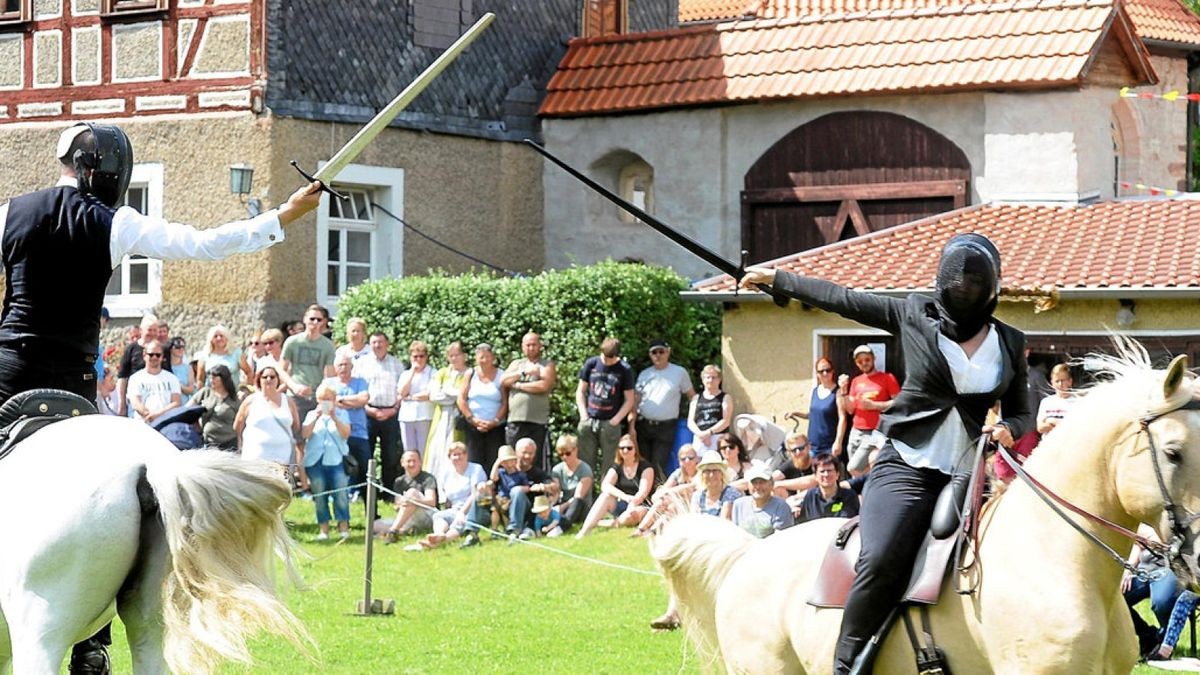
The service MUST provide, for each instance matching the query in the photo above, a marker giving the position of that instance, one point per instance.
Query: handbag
(351, 465)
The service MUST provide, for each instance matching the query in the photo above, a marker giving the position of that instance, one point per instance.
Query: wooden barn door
(847, 174)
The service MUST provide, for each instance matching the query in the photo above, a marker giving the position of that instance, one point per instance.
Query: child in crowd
(505, 476)
(547, 522)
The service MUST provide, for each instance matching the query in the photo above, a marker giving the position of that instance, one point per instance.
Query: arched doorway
(847, 174)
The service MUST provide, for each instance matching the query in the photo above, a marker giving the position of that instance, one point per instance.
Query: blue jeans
(518, 510)
(1162, 589)
(1179, 617)
(323, 478)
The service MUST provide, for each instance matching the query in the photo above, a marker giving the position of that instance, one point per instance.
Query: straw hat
(712, 458)
(506, 453)
(541, 504)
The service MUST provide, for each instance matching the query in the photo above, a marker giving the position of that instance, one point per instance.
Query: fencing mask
(967, 286)
(103, 164)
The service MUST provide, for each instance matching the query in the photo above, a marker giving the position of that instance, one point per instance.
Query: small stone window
(110, 7)
(15, 11)
(635, 184)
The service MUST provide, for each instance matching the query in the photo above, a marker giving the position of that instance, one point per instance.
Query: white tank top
(268, 432)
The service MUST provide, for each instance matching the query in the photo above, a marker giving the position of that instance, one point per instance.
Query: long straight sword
(371, 129)
(696, 248)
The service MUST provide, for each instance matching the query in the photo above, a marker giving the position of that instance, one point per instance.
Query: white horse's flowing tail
(695, 552)
(222, 516)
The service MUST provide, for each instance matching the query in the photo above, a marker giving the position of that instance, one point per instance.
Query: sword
(371, 129)
(699, 250)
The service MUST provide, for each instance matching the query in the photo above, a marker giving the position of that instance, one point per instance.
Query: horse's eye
(1174, 452)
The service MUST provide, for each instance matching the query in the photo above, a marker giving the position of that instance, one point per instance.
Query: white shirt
(155, 390)
(133, 233)
(975, 375)
(661, 391)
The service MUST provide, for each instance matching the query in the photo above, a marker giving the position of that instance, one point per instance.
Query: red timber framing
(177, 77)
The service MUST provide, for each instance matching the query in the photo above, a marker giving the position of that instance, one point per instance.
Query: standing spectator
(272, 345)
(292, 327)
(443, 393)
(382, 373)
(219, 400)
(659, 390)
(325, 430)
(575, 481)
(308, 358)
(604, 398)
(164, 333)
(1055, 407)
(625, 489)
(356, 340)
(132, 359)
(870, 393)
(828, 499)
(352, 394)
(416, 412)
(180, 366)
(530, 380)
(761, 513)
(100, 367)
(826, 412)
(416, 499)
(266, 422)
(711, 412)
(218, 352)
(153, 390)
(107, 393)
(483, 405)
(255, 350)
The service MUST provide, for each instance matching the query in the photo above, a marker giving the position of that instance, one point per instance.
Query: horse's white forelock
(1129, 376)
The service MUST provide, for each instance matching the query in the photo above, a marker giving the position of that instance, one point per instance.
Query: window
(358, 241)
(635, 184)
(131, 6)
(135, 286)
(15, 11)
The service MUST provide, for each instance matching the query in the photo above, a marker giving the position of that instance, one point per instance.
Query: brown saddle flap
(837, 569)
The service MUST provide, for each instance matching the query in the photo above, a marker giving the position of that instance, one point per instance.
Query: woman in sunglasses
(625, 490)
(826, 412)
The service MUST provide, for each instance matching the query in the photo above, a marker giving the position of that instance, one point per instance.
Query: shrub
(573, 310)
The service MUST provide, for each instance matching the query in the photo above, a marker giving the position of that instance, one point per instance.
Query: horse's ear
(1175, 373)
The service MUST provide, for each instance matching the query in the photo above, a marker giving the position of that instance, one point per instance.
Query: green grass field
(486, 609)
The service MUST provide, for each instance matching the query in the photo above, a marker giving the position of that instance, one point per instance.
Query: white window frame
(149, 175)
(386, 185)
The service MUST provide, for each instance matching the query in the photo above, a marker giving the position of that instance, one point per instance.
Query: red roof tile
(708, 10)
(1117, 244)
(1164, 20)
(1031, 44)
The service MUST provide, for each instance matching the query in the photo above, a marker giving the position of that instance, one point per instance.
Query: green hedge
(572, 309)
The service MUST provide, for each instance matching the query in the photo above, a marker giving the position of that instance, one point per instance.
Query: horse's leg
(39, 641)
(140, 601)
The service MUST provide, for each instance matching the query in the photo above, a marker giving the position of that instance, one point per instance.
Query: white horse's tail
(223, 521)
(695, 552)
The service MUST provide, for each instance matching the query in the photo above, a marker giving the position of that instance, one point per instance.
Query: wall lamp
(1127, 313)
(241, 177)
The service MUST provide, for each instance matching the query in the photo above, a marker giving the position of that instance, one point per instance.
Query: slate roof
(1134, 245)
(343, 60)
(1033, 44)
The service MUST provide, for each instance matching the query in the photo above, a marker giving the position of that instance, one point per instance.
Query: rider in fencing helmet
(967, 285)
(102, 158)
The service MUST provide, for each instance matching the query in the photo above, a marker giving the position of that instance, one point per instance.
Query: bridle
(1178, 519)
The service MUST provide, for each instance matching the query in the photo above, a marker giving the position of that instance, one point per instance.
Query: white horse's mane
(1128, 378)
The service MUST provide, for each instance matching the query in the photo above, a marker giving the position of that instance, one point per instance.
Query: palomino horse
(1047, 600)
(103, 515)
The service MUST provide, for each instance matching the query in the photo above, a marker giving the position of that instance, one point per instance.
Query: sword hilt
(778, 298)
(313, 179)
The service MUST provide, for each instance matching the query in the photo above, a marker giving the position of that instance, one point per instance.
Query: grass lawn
(491, 608)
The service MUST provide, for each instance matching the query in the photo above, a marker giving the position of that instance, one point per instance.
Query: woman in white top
(484, 405)
(443, 394)
(461, 511)
(267, 422)
(356, 340)
(416, 411)
(219, 353)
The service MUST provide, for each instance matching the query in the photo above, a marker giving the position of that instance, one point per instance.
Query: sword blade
(371, 129)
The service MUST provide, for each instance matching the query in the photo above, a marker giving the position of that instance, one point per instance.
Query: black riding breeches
(897, 507)
(22, 370)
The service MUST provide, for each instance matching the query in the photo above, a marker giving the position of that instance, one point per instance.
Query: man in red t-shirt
(867, 395)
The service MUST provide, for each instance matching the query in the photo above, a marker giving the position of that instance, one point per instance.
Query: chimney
(604, 17)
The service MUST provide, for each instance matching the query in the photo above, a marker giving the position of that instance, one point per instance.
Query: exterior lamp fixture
(1127, 314)
(241, 177)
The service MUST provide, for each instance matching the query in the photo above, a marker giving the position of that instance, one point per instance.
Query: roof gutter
(1065, 294)
(1167, 44)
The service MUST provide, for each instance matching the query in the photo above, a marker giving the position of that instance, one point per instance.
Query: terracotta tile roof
(1110, 245)
(1165, 20)
(1031, 44)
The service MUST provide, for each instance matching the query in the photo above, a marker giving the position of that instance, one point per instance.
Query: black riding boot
(90, 657)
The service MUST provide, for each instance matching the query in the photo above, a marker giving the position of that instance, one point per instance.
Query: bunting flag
(1169, 96)
(1156, 191)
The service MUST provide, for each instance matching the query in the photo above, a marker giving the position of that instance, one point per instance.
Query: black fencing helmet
(968, 285)
(103, 166)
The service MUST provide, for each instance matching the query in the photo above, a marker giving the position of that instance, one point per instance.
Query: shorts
(862, 442)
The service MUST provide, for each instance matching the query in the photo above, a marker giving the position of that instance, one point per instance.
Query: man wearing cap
(870, 393)
(530, 380)
(50, 323)
(761, 513)
(604, 398)
(658, 392)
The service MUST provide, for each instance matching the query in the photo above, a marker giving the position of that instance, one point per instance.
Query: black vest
(57, 264)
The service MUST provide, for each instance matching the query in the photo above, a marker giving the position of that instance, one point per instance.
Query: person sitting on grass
(676, 490)
(464, 485)
(505, 476)
(416, 500)
(761, 513)
(546, 519)
(624, 491)
(1185, 604)
(574, 479)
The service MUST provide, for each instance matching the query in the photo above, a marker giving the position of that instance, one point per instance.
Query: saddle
(31, 410)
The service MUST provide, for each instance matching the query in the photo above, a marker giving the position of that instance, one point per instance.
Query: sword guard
(313, 179)
(779, 299)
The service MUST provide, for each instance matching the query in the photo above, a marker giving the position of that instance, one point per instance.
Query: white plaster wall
(1162, 126)
(1030, 145)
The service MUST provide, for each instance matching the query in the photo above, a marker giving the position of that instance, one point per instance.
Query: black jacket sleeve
(870, 309)
(1014, 404)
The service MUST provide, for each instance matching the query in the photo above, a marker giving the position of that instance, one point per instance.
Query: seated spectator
(711, 412)
(220, 404)
(416, 499)
(153, 390)
(762, 438)
(799, 466)
(1185, 604)
(734, 454)
(575, 481)
(546, 519)
(828, 499)
(465, 483)
(676, 490)
(505, 476)
(325, 430)
(1160, 585)
(761, 513)
(624, 491)
(520, 517)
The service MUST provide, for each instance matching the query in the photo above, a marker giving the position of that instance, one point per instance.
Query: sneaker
(322, 536)
(414, 547)
(390, 537)
(470, 540)
(526, 534)
(344, 535)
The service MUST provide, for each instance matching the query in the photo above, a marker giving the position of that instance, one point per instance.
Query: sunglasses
(658, 351)
(153, 355)
(419, 356)
(688, 458)
(822, 371)
(625, 447)
(797, 450)
(724, 446)
(314, 319)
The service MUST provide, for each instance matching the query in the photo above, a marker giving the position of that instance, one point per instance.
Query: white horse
(103, 515)
(1048, 599)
